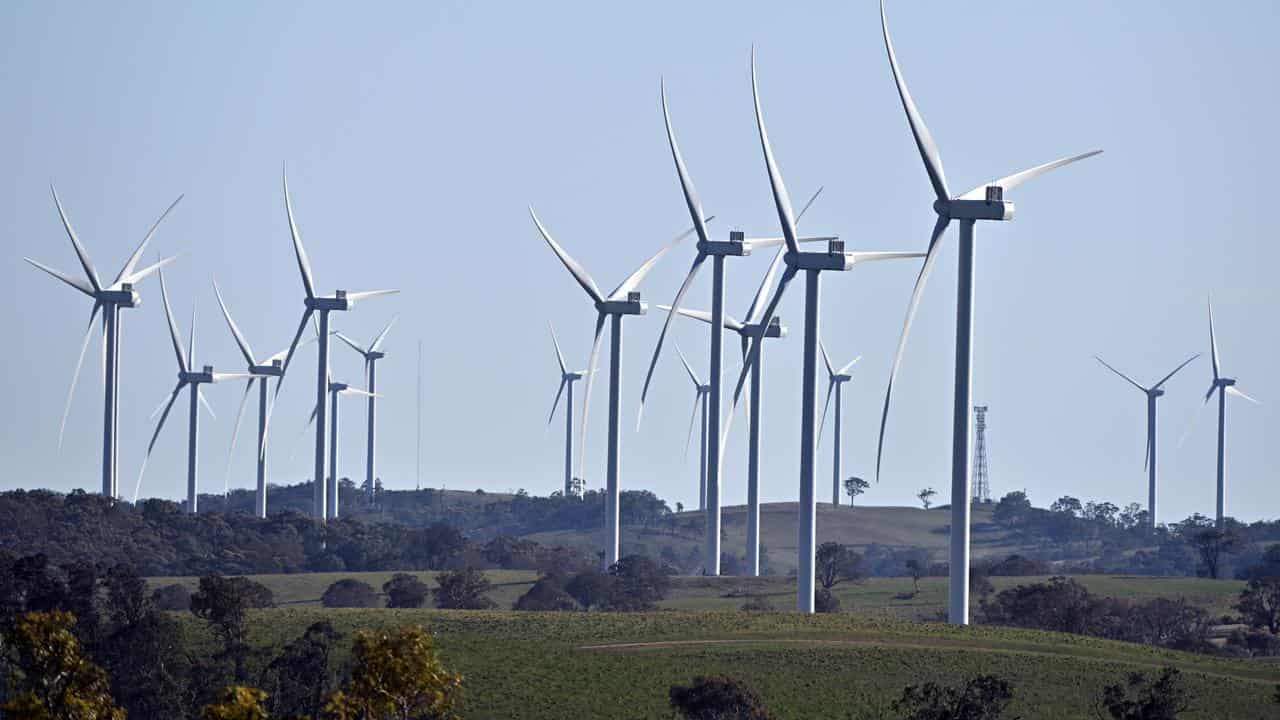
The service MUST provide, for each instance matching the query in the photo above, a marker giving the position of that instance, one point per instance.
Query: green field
(606, 665)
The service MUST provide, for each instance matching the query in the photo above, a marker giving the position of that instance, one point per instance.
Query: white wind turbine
(567, 379)
(985, 202)
(835, 383)
(700, 390)
(259, 372)
(336, 390)
(188, 377)
(813, 263)
(110, 299)
(371, 354)
(1224, 386)
(623, 301)
(1149, 460)
(322, 305)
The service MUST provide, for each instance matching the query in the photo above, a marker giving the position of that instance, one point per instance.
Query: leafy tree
(855, 486)
(1211, 544)
(984, 697)
(718, 698)
(1012, 509)
(638, 583)
(1066, 505)
(916, 567)
(1140, 699)
(172, 597)
(436, 545)
(349, 593)
(836, 563)
(405, 591)
(301, 675)
(396, 675)
(224, 603)
(236, 702)
(462, 590)
(591, 588)
(1260, 603)
(926, 497)
(825, 602)
(53, 679)
(547, 594)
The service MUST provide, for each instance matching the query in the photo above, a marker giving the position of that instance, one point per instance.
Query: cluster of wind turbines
(120, 294)
(986, 203)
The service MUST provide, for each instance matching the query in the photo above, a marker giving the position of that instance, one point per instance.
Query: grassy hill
(604, 665)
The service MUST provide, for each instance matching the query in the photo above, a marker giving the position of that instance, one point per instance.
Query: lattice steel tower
(981, 483)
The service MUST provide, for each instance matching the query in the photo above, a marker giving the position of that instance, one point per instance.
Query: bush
(758, 603)
(591, 588)
(546, 595)
(173, 597)
(718, 698)
(638, 582)
(405, 591)
(462, 590)
(1140, 699)
(349, 593)
(825, 602)
(982, 698)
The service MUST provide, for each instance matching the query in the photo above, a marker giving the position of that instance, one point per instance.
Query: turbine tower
(259, 372)
(371, 354)
(1153, 393)
(340, 301)
(813, 263)
(1224, 386)
(701, 391)
(336, 389)
(835, 383)
(623, 301)
(188, 377)
(985, 202)
(567, 379)
(110, 299)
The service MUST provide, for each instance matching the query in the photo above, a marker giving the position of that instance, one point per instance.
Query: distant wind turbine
(700, 392)
(371, 354)
(835, 382)
(110, 299)
(336, 390)
(985, 202)
(567, 379)
(1223, 386)
(188, 377)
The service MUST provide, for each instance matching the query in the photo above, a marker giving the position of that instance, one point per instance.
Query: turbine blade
(753, 357)
(132, 262)
(1010, 182)
(76, 283)
(766, 286)
(559, 355)
(353, 297)
(1213, 342)
(245, 350)
(1146, 457)
(1191, 424)
(686, 183)
(633, 280)
(729, 321)
(75, 242)
(377, 341)
(235, 432)
(688, 368)
(350, 343)
(666, 325)
(224, 376)
(205, 403)
(75, 376)
(173, 326)
(1231, 390)
(939, 228)
(556, 403)
(924, 140)
(826, 359)
(293, 347)
(1209, 393)
(147, 271)
(579, 273)
(586, 397)
(846, 368)
(1175, 370)
(1126, 377)
(781, 200)
(872, 256)
(831, 385)
(151, 445)
(805, 209)
(697, 398)
(358, 392)
(191, 339)
(304, 265)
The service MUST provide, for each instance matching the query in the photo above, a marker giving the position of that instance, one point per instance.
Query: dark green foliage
(1140, 699)
(405, 591)
(825, 602)
(718, 698)
(591, 588)
(638, 583)
(172, 597)
(1211, 544)
(836, 563)
(1260, 603)
(462, 590)
(298, 679)
(757, 603)
(350, 593)
(547, 594)
(224, 603)
(985, 697)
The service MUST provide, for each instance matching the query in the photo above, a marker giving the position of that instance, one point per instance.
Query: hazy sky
(416, 134)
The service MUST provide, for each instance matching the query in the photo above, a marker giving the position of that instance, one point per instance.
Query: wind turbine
(259, 372)
(340, 301)
(567, 379)
(751, 328)
(1223, 386)
(188, 377)
(737, 246)
(335, 390)
(371, 354)
(701, 391)
(835, 383)
(110, 299)
(623, 301)
(985, 202)
(814, 264)
(1149, 461)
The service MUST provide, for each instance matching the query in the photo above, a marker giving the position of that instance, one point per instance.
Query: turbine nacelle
(124, 296)
(375, 355)
(1155, 393)
(774, 329)
(275, 369)
(994, 207)
(197, 378)
(736, 246)
(841, 378)
(338, 301)
(631, 306)
(1224, 382)
(335, 387)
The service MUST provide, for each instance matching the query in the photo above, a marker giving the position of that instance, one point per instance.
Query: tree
(638, 583)
(236, 702)
(679, 507)
(172, 597)
(1140, 699)
(1211, 544)
(916, 568)
(224, 603)
(349, 593)
(302, 674)
(926, 497)
(825, 602)
(396, 675)
(1012, 509)
(718, 698)
(405, 591)
(462, 590)
(53, 679)
(591, 588)
(855, 486)
(1066, 505)
(434, 546)
(1260, 603)
(547, 595)
(835, 563)
(984, 697)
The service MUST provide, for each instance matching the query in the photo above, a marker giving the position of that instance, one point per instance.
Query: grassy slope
(553, 665)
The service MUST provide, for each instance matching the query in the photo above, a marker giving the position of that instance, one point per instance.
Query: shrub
(546, 595)
(758, 603)
(718, 698)
(349, 593)
(462, 590)
(825, 602)
(591, 588)
(985, 697)
(1140, 699)
(173, 597)
(405, 591)
(638, 582)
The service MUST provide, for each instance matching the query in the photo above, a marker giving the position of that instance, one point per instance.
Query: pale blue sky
(416, 134)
